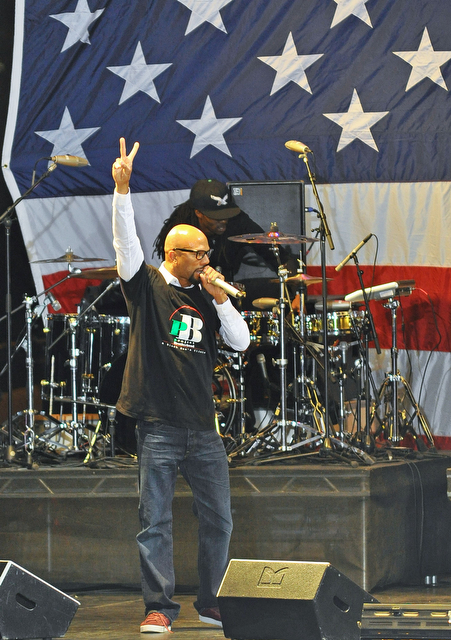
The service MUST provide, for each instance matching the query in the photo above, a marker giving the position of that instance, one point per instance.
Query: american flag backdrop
(214, 88)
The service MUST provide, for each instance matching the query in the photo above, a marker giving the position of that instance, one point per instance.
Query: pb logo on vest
(271, 578)
(186, 327)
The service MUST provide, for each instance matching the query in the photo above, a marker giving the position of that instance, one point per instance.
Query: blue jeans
(201, 458)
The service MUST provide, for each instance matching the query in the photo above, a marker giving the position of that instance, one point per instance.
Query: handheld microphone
(349, 256)
(299, 147)
(70, 161)
(228, 288)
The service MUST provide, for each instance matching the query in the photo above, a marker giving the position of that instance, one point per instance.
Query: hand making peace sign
(122, 167)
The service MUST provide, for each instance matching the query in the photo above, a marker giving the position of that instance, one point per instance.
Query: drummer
(211, 209)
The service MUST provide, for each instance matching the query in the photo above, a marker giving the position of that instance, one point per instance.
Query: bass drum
(223, 390)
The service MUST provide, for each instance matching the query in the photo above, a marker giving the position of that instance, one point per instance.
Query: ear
(198, 213)
(171, 256)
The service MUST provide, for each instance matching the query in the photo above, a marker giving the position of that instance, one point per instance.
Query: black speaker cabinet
(30, 607)
(420, 621)
(272, 201)
(269, 600)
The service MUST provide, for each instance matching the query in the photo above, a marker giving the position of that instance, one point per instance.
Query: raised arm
(129, 253)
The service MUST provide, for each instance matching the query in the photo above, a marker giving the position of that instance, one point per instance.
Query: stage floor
(107, 615)
(380, 525)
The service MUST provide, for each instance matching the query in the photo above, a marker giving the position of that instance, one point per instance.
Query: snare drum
(263, 327)
(338, 323)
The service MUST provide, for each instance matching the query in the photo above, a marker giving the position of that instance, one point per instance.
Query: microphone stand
(6, 220)
(367, 444)
(324, 233)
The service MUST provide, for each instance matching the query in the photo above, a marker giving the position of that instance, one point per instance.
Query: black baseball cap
(212, 198)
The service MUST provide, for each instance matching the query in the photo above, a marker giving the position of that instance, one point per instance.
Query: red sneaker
(155, 622)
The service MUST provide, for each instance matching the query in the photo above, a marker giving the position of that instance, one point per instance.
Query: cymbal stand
(393, 378)
(241, 397)
(25, 340)
(282, 361)
(74, 352)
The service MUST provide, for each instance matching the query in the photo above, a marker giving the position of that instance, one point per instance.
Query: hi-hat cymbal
(272, 237)
(103, 273)
(69, 257)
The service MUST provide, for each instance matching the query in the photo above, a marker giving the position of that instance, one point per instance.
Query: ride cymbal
(102, 273)
(68, 257)
(272, 237)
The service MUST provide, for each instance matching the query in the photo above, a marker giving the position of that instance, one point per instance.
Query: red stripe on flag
(430, 302)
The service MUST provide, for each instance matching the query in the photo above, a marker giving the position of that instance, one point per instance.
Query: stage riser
(367, 522)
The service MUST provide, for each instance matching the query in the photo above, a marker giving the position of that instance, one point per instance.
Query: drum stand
(76, 427)
(29, 435)
(389, 391)
(275, 435)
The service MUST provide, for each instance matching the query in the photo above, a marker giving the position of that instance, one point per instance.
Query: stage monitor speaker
(420, 621)
(272, 201)
(30, 607)
(273, 600)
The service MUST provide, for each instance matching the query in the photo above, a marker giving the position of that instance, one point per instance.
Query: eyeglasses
(199, 254)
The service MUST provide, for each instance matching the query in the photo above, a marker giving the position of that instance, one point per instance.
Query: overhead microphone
(299, 147)
(354, 251)
(53, 302)
(70, 161)
(261, 361)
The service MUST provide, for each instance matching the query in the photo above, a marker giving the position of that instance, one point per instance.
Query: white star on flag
(425, 62)
(78, 23)
(209, 129)
(67, 139)
(290, 66)
(139, 76)
(347, 8)
(205, 11)
(356, 124)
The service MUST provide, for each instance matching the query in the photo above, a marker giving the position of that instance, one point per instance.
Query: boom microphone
(299, 147)
(354, 251)
(70, 161)
(53, 302)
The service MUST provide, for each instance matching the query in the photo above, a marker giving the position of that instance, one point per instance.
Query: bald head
(185, 236)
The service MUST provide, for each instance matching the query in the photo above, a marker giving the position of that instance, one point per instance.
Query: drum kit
(270, 400)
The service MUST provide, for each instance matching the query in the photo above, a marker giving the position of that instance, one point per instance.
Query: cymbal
(272, 237)
(102, 273)
(69, 257)
(265, 303)
(302, 278)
